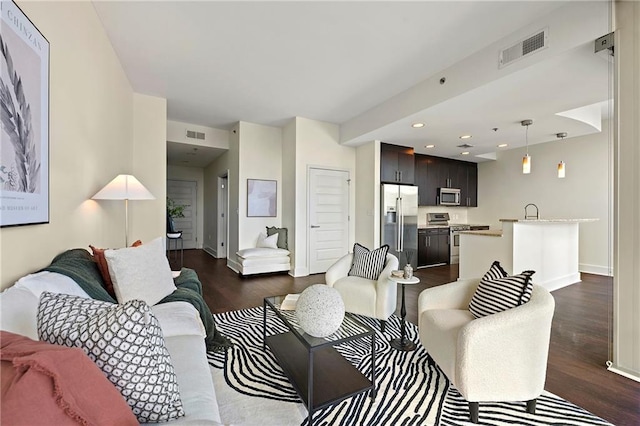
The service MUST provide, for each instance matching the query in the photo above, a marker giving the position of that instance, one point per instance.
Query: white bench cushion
(262, 252)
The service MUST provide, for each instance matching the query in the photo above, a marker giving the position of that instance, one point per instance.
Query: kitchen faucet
(537, 216)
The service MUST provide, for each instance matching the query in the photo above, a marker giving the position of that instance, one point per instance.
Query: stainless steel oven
(454, 238)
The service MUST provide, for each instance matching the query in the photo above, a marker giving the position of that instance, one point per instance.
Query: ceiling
(266, 62)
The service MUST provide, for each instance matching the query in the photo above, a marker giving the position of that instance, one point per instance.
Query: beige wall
(317, 145)
(260, 158)
(367, 219)
(626, 292)
(86, 84)
(93, 116)
(503, 191)
(147, 218)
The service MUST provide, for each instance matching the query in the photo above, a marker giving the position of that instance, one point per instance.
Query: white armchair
(372, 298)
(500, 357)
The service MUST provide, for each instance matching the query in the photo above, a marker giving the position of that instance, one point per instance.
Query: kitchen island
(547, 246)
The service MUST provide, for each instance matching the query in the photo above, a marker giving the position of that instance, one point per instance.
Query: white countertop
(549, 220)
(485, 232)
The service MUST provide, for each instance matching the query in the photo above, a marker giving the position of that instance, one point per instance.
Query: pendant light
(561, 165)
(526, 160)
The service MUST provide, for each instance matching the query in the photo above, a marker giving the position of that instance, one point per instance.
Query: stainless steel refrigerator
(399, 222)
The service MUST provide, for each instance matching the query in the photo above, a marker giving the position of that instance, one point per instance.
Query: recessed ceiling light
(465, 137)
(502, 145)
(430, 146)
(417, 125)
(465, 153)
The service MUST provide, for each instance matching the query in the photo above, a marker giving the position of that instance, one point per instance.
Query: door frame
(308, 216)
(222, 225)
(195, 208)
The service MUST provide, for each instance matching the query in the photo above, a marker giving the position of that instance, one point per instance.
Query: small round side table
(403, 344)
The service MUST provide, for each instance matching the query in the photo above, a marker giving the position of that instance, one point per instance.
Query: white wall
(193, 174)
(289, 185)
(218, 168)
(503, 191)
(214, 138)
(260, 158)
(367, 217)
(234, 182)
(626, 290)
(317, 145)
(93, 117)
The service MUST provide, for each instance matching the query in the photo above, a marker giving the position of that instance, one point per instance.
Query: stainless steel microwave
(448, 197)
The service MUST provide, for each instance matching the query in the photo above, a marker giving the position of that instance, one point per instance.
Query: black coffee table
(318, 372)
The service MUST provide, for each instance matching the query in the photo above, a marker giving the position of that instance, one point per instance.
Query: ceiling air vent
(524, 47)
(465, 146)
(195, 135)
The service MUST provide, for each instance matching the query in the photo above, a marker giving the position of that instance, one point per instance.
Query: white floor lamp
(124, 187)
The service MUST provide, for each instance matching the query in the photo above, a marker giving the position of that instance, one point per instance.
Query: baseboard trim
(624, 373)
(211, 251)
(561, 282)
(596, 269)
(299, 272)
(234, 266)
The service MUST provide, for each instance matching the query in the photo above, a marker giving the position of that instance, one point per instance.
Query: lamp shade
(124, 187)
(561, 170)
(526, 164)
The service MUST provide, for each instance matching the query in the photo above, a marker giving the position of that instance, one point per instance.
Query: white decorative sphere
(320, 310)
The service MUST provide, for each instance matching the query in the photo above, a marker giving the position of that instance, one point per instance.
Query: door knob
(315, 226)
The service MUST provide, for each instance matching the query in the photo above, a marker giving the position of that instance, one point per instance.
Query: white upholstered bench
(261, 260)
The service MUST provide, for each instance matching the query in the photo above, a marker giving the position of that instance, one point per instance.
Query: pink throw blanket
(45, 384)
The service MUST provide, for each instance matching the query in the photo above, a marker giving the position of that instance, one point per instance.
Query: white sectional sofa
(180, 322)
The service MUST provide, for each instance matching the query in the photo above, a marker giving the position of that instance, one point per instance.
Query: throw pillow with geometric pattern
(497, 292)
(126, 343)
(368, 263)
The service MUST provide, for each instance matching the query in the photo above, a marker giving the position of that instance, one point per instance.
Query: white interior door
(184, 192)
(328, 218)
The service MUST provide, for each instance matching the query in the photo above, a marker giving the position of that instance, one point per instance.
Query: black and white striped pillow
(498, 292)
(368, 263)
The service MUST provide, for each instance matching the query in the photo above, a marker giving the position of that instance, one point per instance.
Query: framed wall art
(262, 198)
(24, 119)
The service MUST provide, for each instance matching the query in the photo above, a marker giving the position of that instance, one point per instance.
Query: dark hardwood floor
(580, 333)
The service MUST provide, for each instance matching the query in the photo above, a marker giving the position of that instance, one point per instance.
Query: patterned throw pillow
(126, 343)
(368, 264)
(498, 292)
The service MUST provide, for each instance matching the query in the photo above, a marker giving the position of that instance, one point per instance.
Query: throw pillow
(57, 385)
(98, 257)
(497, 294)
(495, 272)
(267, 242)
(141, 273)
(126, 343)
(282, 236)
(368, 263)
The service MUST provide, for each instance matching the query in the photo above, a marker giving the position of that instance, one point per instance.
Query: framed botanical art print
(262, 198)
(24, 119)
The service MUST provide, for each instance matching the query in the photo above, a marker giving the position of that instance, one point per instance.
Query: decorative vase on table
(408, 269)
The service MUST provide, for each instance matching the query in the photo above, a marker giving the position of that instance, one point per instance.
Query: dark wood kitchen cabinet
(433, 246)
(437, 172)
(397, 164)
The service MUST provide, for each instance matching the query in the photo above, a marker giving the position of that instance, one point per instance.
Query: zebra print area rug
(252, 389)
